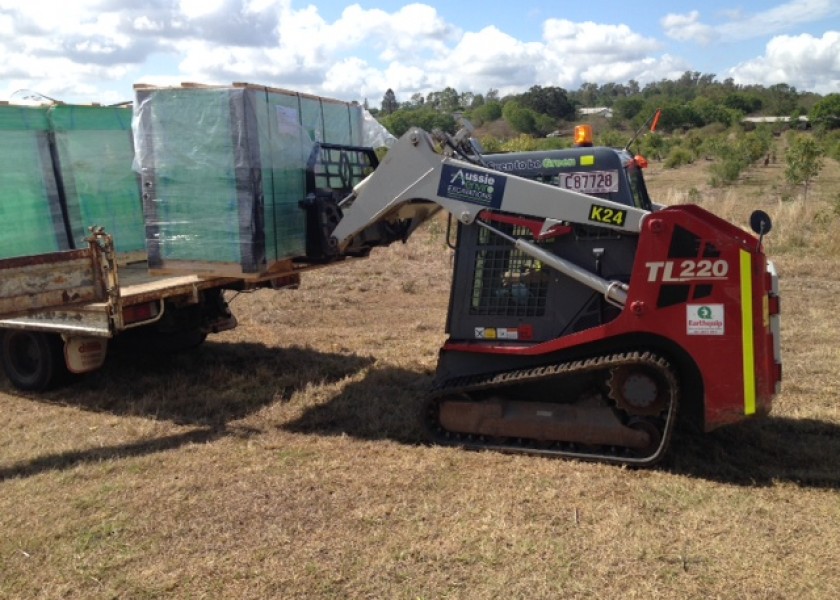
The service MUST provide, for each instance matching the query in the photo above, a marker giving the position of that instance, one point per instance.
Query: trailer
(199, 189)
(60, 310)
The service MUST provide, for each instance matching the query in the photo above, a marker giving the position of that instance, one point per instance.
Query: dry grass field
(284, 459)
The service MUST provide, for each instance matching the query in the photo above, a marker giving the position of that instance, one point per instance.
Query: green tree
(551, 101)
(782, 99)
(543, 124)
(830, 142)
(389, 102)
(629, 107)
(466, 100)
(486, 113)
(826, 112)
(652, 145)
(417, 100)
(450, 100)
(754, 145)
(446, 100)
(678, 115)
(709, 111)
(425, 117)
(746, 103)
(490, 144)
(523, 143)
(519, 117)
(587, 95)
(677, 157)
(803, 161)
(611, 138)
(397, 122)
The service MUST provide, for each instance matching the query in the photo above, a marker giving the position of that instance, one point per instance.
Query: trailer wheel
(33, 360)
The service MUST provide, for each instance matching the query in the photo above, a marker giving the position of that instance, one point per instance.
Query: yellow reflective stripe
(747, 333)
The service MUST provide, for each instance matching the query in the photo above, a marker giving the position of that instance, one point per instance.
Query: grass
(283, 459)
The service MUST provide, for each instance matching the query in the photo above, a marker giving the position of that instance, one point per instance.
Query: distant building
(597, 111)
(802, 119)
(800, 123)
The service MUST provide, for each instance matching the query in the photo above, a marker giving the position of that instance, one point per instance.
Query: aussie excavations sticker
(705, 319)
(475, 187)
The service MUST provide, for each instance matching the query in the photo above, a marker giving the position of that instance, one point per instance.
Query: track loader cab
(608, 173)
(500, 291)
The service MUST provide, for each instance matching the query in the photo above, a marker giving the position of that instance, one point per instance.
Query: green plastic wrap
(356, 125)
(31, 216)
(94, 154)
(287, 148)
(223, 174)
(337, 125)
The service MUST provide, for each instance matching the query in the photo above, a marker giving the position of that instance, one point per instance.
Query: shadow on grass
(804, 452)
(388, 404)
(222, 382)
(207, 387)
(67, 460)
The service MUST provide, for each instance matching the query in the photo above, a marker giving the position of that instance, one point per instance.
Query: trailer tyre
(33, 360)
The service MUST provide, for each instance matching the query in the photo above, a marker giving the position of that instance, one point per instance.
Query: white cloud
(310, 52)
(687, 28)
(643, 70)
(488, 59)
(94, 49)
(780, 18)
(193, 9)
(742, 26)
(803, 61)
(607, 42)
(576, 53)
(569, 55)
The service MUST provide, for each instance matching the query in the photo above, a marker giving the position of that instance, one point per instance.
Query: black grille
(339, 168)
(507, 282)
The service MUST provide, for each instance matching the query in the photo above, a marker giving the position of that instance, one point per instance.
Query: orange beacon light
(583, 135)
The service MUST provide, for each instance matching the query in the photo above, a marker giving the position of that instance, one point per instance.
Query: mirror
(760, 222)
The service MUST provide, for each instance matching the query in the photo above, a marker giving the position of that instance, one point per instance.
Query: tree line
(694, 100)
(698, 117)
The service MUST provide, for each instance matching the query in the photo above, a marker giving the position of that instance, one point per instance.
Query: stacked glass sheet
(31, 216)
(94, 154)
(223, 173)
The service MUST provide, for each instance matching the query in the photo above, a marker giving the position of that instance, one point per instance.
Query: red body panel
(730, 342)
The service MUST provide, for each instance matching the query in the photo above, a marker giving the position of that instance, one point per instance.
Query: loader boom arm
(415, 180)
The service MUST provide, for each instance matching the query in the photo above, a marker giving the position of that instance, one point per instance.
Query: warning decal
(496, 333)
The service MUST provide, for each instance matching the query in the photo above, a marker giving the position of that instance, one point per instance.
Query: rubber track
(492, 381)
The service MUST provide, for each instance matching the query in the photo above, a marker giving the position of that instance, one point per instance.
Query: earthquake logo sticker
(705, 319)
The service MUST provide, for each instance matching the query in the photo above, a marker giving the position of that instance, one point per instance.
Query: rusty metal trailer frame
(85, 292)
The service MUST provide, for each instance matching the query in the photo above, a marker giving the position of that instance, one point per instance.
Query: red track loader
(578, 325)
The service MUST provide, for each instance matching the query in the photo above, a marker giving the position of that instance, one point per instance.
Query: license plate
(590, 182)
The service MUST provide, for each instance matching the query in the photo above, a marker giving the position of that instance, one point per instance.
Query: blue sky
(94, 50)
